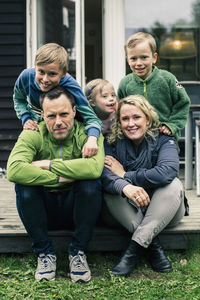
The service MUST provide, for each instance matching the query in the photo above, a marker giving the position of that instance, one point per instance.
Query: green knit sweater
(164, 93)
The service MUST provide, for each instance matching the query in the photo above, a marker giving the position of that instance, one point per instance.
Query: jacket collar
(152, 75)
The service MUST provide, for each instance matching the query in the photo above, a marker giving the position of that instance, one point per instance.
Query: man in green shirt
(56, 187)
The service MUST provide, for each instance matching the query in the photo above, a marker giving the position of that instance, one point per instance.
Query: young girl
(101, 96)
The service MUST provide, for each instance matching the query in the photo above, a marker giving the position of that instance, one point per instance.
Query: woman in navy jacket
(141, 189)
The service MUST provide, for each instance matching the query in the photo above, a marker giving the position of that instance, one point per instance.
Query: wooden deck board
(14, 239)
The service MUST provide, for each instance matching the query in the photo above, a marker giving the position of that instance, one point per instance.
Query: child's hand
(165, 130)
(31, 125)
(90, 148)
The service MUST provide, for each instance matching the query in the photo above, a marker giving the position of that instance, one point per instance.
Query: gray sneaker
(46, 268)
(79, 269)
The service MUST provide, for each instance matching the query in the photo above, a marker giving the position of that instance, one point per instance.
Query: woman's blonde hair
(141, 103)
(94, 86)
(50, 53)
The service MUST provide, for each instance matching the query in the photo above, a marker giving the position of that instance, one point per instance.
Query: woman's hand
(114, 166)
(137, 194)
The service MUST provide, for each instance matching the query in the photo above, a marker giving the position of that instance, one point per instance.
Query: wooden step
(14, 239)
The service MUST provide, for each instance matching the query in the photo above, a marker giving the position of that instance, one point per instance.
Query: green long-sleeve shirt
(66, 158)
(164, 93)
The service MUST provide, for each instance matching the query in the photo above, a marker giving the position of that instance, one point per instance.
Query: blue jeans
(41, 210)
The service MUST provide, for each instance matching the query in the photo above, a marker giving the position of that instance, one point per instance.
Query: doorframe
(113, 33)
(80, 41)
(31, 36)
(31, 32)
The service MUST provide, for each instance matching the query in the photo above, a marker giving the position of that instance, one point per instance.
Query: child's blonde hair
(94, 86)
(50, 53)
(139, 37)
(141, 103)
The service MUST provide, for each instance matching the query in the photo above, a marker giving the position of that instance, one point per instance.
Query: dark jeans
(41, 210)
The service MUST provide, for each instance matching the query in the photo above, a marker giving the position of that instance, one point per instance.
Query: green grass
(17, 279)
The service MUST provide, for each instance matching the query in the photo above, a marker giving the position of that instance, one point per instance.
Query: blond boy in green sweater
(159, 87)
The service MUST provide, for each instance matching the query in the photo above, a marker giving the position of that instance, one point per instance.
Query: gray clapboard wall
(12, 62)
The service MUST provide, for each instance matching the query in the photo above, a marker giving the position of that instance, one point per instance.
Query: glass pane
(175, 24)
(93, 39)
(56, 24)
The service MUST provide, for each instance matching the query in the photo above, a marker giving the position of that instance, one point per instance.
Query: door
(93, 39)
(76, 25)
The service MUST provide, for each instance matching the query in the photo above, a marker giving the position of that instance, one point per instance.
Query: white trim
(31, 34)
(113, 41)
(40, 23)
(28, 36)
(80, 42)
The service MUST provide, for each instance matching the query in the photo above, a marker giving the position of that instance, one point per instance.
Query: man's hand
(43, 164)
(165, 130)
(31, 125)
(114, 166)
(63, 179)
(90, 148)
(137, 194)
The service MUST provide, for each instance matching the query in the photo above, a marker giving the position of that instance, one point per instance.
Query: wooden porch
(13, 237)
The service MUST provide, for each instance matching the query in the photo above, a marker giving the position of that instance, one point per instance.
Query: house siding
(12, 62)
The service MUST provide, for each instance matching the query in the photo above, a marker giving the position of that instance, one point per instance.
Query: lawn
(17, 279)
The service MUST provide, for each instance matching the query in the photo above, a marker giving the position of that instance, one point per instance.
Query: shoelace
(79, 261)
(45, 261)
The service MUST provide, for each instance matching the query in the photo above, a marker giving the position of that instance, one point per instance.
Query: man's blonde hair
(139, 37)
(50, 53)
(141, 103)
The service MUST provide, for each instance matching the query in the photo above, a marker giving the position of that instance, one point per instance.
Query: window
(93, 40)
(56, 24)
(175, 24)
